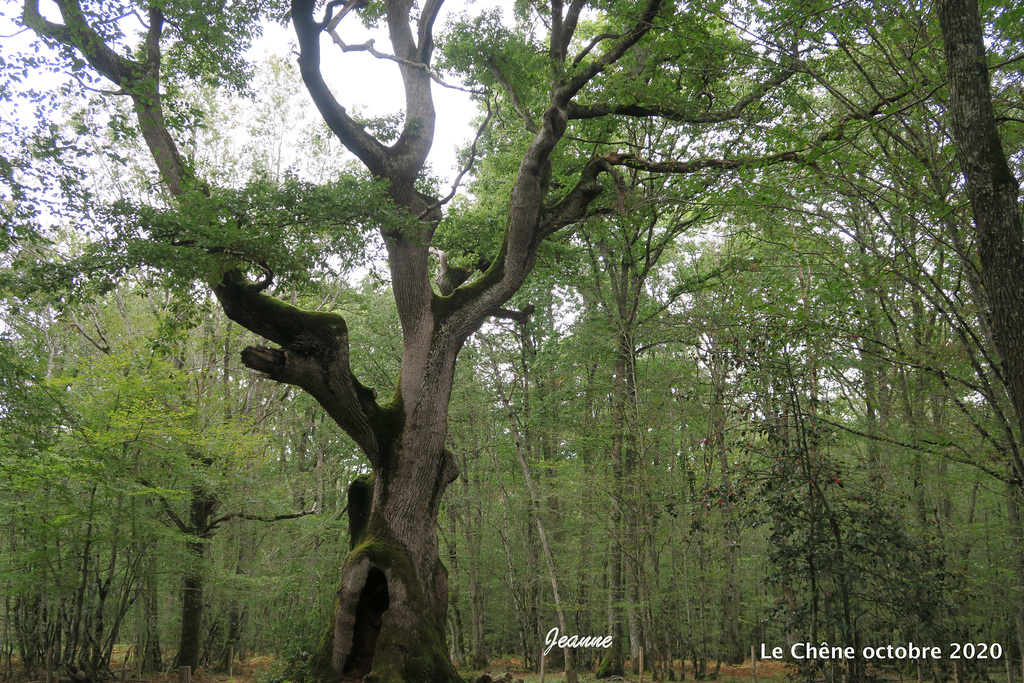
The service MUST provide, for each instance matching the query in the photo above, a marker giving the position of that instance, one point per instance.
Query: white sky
(374, 87)
(360, 81)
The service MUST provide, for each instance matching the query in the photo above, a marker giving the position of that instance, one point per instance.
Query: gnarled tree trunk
(392, 597)
(394, 589)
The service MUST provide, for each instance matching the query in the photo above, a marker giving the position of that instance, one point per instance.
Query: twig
(368, 47)
(259, 518)
(469, 165)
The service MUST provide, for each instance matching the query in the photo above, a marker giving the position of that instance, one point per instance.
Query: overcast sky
(360, 81)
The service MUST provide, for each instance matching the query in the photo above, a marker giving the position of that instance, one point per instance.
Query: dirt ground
(259, 669)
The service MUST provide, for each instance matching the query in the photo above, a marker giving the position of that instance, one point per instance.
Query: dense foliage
(750, 391)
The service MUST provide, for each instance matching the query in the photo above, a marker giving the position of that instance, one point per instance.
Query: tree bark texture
(392, 599)
(992, 189)
(993, 193)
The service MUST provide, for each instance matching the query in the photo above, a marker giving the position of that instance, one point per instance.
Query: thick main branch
(314, 355)
(138, 79)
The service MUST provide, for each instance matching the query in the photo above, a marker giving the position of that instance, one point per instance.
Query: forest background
(754, 390)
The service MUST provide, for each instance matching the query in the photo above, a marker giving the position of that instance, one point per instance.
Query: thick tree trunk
(392, 600)
(393, 597)
(201, 509)
(190, 640)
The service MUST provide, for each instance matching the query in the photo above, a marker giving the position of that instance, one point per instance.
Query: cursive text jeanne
(552, 639)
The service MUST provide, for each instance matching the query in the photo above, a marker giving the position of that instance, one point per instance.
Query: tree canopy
(734, 238)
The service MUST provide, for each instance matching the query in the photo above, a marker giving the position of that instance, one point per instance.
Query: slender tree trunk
(570, 672)
(525, 442)
(612, 664)
(190, 637)
(732, 648)
(152, 658)
(474, 528)
(458, 643)
(1013, 502)
(520, 592)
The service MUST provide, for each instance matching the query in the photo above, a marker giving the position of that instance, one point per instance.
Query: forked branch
(313, 355)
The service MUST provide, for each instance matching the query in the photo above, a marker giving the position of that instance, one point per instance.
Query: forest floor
(261, 669)
(766, 671)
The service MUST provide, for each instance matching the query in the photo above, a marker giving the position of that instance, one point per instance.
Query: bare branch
(594, 42)
(104, 348)
(369, 46)
(331, 20)
(633, 161)
(469, 165)
(804, 154)
(425, 32)
(370, 151)
(572, 18)
(517, 104)
(260, 518)
(519, 316)
(577, 203)
(442, 268)
(171, 514)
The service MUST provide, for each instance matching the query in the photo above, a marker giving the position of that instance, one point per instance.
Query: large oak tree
(594, 61)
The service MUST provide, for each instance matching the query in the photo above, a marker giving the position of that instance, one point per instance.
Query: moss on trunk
(387, 627)
(611, 664)
(360, 497)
